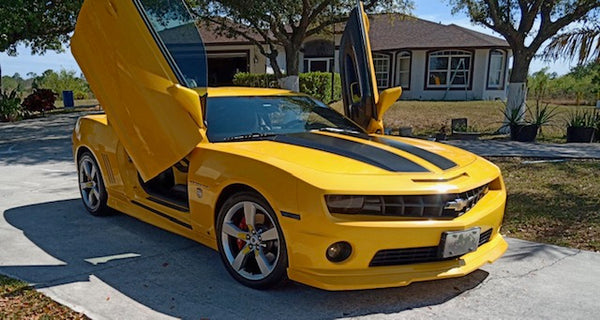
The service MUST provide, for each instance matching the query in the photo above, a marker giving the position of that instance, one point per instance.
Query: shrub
(10, 106)
(316, 84)
(41, 100)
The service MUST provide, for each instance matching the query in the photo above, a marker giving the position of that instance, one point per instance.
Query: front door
(142, 58)
(359, 85)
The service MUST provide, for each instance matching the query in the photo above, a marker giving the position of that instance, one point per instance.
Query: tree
(62, 81)
(526, 25)
(582, 44)
(40, 24)
(274, 24)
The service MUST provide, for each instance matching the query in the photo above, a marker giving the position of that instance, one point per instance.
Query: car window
(231, 117)
(176, 33)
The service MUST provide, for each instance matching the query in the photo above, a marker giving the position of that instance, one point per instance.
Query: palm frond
(582, 44)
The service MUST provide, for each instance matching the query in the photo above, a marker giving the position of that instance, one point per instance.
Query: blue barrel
(68, 100)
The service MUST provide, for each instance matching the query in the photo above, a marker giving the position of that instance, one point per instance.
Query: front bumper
(309, 238)
(397, 276)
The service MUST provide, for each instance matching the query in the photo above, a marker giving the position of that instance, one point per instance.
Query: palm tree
(582, 44)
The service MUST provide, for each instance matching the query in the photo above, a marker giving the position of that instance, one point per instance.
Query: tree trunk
(291, 82)
(517, 86)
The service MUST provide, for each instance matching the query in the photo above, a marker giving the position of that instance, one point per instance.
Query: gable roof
(394, 31)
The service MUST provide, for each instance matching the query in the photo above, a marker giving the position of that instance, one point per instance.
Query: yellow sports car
(279, 183)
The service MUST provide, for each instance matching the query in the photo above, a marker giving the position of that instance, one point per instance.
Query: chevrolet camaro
(280, 184)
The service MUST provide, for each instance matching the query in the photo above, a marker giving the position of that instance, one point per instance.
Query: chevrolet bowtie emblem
(457, 204)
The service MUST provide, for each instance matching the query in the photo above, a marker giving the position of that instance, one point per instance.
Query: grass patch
(20, 301)
(556, 203)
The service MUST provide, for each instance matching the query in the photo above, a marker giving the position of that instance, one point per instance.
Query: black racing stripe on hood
(435, 159)
(350, 149)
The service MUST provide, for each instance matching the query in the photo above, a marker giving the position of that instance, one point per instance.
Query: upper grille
(426, 206)
(395, 257)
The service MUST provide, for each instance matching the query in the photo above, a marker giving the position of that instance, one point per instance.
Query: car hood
(330, 160)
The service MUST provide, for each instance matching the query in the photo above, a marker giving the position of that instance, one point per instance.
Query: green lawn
(556, 203)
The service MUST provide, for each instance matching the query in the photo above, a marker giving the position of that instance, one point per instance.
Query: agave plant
(583, 118)
(542, 116)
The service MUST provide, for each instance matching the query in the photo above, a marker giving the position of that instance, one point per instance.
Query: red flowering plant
(41, 100)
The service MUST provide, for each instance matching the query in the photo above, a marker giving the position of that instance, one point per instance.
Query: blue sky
(434, 10)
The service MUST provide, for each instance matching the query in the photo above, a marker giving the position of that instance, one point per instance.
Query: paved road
(499, 148)
(47, 239)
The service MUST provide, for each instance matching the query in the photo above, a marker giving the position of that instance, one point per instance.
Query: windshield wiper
(251, 136)
(342, 131)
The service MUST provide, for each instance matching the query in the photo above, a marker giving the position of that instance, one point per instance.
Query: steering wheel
(296, 123)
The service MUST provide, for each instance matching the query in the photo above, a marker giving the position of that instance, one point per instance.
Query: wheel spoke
(250, 214)
(269, 235)
(239, 259)
(262, 262)
(93, 173)
(90, 198)
(96, 193)
(87, 170)
(232, 230)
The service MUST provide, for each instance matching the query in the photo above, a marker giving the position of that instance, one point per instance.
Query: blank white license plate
(457, 243)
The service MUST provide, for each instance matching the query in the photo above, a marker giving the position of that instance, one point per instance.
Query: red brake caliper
(243, 226)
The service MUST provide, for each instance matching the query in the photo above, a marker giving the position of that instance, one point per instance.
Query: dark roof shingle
(393, 31)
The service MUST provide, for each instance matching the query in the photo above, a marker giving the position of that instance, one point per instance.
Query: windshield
(235, 118)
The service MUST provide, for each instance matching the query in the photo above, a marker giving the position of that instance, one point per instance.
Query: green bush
(316, 84)
(10, 106)
(63, 81)
(41, 100)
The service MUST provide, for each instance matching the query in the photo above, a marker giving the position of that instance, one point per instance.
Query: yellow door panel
(137, 77)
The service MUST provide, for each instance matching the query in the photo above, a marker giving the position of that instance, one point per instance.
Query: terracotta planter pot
(523, 132)
(580, 134)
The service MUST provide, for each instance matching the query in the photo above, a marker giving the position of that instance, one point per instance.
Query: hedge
(316, 84)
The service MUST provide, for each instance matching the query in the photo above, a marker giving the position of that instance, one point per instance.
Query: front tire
(250, 240)
(91, 185)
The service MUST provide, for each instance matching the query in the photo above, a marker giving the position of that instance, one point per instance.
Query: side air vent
(110, 176)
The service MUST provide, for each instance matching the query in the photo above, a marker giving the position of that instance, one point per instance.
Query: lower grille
(396, 257)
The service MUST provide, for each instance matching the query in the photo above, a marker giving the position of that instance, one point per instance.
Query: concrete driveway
(120, 268)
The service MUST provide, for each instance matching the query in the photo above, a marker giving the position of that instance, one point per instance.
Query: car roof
(248, 92)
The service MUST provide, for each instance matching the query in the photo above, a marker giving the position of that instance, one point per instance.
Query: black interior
(162, 188)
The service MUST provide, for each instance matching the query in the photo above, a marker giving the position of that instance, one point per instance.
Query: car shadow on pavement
(178, 277)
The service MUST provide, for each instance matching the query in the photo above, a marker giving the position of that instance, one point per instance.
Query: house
(431, 61)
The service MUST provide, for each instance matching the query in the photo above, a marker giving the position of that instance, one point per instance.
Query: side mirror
(355, 91)
(386, 99)
(189, 100)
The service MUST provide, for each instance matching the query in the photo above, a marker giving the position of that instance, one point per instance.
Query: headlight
(353, 204)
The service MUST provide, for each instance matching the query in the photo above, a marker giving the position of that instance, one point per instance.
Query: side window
(176, 34)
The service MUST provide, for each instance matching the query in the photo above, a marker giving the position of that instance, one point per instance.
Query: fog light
(338, 251)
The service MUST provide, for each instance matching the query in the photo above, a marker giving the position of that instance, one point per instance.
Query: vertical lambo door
(142, 59)
(362, 102)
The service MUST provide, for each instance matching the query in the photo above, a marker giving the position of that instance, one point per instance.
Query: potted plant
(10, 106)
(581, 125)
(520, 130)
(523, 130)
(542, 116)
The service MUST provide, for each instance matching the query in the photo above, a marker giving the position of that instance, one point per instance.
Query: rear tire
(250, 241)
(91, 185)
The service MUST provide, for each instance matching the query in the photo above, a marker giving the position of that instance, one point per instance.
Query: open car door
(362, 102)
(142, 58)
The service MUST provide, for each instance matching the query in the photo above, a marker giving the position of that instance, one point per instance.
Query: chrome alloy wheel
(250, 240)
(89, 183)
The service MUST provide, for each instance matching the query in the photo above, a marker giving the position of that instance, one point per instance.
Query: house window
(381, 62)
(318, 64)
(449, 69)
(403, 69)
(497, 65)
(318, 56)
